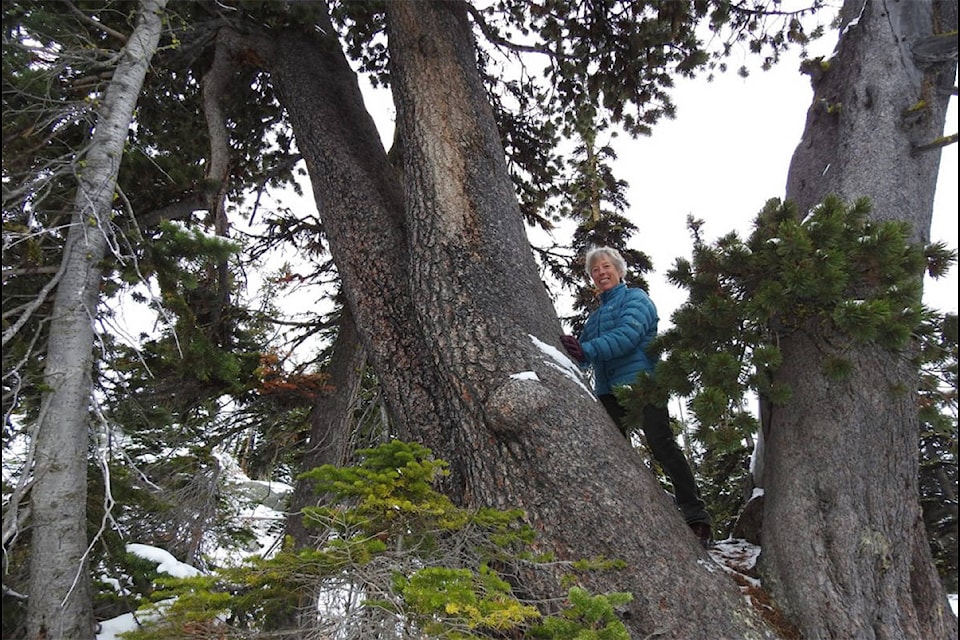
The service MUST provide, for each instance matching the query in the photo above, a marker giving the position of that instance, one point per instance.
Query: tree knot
(517, 403)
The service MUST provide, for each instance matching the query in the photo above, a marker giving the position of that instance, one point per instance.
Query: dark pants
(663, 445)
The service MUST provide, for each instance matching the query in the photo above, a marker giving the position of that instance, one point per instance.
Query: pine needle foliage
(588, 618)
(833, 271)
(392, 557)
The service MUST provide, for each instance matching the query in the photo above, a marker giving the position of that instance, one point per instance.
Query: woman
(614, 342)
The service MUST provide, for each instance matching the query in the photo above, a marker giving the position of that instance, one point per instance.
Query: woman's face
(604, 273)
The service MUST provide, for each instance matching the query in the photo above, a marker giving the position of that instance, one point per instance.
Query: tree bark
(844, 549)
(60, 603)
(875, 105)
(331, 421)
(462, 333)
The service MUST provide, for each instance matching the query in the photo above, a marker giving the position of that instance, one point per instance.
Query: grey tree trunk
(59, 603)
(331, 421)
(461, 332)
(844, 549)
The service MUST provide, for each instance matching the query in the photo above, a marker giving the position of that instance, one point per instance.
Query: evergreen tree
(391, 556)
(437, 365)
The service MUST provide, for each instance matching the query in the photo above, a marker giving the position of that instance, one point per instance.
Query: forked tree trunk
(462, 333)
(60, 603)
(844, 549)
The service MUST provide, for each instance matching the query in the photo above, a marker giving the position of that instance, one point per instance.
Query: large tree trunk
(844, 549)
(59, 599)
(462, 333)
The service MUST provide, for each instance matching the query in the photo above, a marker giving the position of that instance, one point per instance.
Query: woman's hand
(572, 345)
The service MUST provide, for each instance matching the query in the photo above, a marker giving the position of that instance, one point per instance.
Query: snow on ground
(166, 563)
(739, 558)
(256, 503)
(112, 628)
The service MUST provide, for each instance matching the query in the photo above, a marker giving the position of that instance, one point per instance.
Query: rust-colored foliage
(289, 388)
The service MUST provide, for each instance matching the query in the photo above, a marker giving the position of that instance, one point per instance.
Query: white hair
(606, 252)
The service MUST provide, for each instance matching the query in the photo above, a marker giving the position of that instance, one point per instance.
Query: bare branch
(496, 39)
(122, 37)
(33, 305)
(937, 143)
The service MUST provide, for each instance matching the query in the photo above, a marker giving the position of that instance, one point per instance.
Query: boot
(703, 533)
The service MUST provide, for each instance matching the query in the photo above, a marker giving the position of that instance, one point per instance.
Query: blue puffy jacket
(616, 336)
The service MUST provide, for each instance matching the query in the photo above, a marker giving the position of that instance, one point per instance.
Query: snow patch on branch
(166, 563)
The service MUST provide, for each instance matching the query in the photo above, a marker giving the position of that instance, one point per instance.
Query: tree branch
(936, 143)
(122, 37)
(496, 39)
(179, 210)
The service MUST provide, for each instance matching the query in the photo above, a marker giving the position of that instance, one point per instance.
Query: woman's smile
(605, 275)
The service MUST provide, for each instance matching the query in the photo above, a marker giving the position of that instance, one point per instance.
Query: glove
(572, 345)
